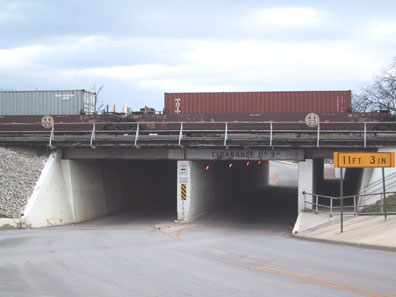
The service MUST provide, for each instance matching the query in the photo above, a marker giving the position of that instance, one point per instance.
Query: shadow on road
(270, 209)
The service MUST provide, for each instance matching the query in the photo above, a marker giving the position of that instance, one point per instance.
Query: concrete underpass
(236, 192)
(80, 186)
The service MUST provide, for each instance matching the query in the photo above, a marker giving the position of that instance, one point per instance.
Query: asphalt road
(244, 251)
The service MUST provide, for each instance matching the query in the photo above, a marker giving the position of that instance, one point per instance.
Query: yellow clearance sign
(363, 160)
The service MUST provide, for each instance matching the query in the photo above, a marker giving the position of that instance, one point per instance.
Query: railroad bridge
(93, 171)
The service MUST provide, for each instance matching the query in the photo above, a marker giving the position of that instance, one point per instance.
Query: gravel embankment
(19, 171)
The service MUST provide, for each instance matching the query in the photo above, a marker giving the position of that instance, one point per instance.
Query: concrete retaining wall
(49, 204)
(71, 191)
(305, 183)
(372, 181)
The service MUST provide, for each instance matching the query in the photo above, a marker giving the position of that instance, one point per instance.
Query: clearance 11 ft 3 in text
(364, 160)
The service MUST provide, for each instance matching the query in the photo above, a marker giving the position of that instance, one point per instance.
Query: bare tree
(97, 92)
(380, 94)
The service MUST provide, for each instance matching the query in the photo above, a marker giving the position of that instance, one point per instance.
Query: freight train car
(235, 103)
(295, 111)
(54, 102)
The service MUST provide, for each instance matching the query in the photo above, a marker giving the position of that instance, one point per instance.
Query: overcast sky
(140, 49)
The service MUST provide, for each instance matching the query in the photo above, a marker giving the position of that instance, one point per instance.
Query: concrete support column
(305, 183)
(184, 191)
(318, 175)
(198, 190)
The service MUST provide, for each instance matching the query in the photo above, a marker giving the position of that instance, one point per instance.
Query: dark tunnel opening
(245, 194)
(141, 186)
(352, 178)
(256, 195)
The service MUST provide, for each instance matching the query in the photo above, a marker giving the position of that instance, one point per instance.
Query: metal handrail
(378, 182)
(52, 136)
(389, 185)
(181, 133)
(355, 208)
(350, 196)
(92, 136)
(137, 134)
(225, 133)
(270, 124)
(235, 130)
(231, 131)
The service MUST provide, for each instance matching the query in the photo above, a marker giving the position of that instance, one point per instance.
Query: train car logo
(47, 121)
(312, 120)
(177, 105)
(64, 96)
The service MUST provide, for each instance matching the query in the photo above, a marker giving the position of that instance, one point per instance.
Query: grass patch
(377, 207)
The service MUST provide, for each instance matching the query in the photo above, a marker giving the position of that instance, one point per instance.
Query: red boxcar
(258, 102)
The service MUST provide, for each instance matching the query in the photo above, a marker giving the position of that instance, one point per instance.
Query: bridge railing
(267, 134)
(330, 205)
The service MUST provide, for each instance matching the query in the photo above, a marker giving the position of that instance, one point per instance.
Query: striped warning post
(183, 192)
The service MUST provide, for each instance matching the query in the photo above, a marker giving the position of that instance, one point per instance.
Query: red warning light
(230, 165)
(247, 163)
(207, 167)
(259, 162)
(268, 161)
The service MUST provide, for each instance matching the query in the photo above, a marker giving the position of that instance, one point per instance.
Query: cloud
(157, 65)
(269, 56)
(23, 57)
(188, 85)
(208, 65)
(195, 60)
(144, 48)
(383, 30)
(286, 17)
(140, 72)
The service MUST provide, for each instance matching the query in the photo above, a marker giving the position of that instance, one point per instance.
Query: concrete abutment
(73, 191)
